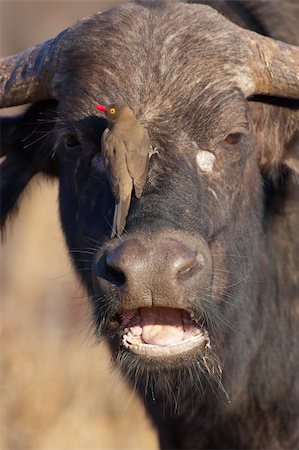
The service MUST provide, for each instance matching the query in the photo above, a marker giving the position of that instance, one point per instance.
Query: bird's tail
(120, 216)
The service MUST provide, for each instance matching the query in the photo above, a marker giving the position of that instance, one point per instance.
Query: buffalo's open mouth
(160, 332)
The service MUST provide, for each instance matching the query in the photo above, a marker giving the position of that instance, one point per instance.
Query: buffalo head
(185, 276)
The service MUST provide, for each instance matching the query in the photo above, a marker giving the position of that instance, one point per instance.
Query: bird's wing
(140, 181)
(137, 155)
(108, 148)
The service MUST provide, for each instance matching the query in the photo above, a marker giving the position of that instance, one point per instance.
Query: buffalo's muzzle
(168, 269)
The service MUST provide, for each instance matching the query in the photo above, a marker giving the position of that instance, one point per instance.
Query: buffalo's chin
(162, 333)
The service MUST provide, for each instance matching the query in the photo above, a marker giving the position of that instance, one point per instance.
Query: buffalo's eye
(71, 141)
(233, 138)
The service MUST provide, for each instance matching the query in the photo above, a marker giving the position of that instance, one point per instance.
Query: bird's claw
(152, 151)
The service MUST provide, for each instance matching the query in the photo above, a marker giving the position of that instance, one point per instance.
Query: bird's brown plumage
(126, 149)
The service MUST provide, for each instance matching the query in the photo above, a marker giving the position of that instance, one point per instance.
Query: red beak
(101, 108)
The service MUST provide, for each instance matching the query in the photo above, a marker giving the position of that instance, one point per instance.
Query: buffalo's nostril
(187, 269)
(107, 270)
(115, 277)
(123, 264)
(183, 261)
(114, 271)
(192, 267)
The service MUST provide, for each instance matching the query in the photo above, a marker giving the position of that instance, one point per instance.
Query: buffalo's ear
(275, 124)
(27, 148)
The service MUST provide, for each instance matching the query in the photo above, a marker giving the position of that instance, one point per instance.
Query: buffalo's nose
(157, 272)
(134, 260)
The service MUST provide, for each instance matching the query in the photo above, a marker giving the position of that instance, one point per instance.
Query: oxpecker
(126, 149)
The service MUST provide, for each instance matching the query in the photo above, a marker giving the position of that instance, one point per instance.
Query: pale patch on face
(205, 161)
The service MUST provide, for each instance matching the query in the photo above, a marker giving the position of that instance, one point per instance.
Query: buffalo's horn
(28, 76)
(273, 67)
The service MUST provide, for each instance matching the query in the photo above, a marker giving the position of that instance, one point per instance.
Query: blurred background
(57, 387)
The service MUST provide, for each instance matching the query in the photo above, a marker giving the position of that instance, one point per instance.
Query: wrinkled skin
(242, 392)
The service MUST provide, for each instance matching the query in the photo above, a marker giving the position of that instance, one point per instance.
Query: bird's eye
(233, 138)
(112, 110)
(71, 141)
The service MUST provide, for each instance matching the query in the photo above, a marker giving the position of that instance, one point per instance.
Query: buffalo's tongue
(161, 326)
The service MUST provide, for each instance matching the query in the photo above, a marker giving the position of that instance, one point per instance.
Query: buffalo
(198, 298)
